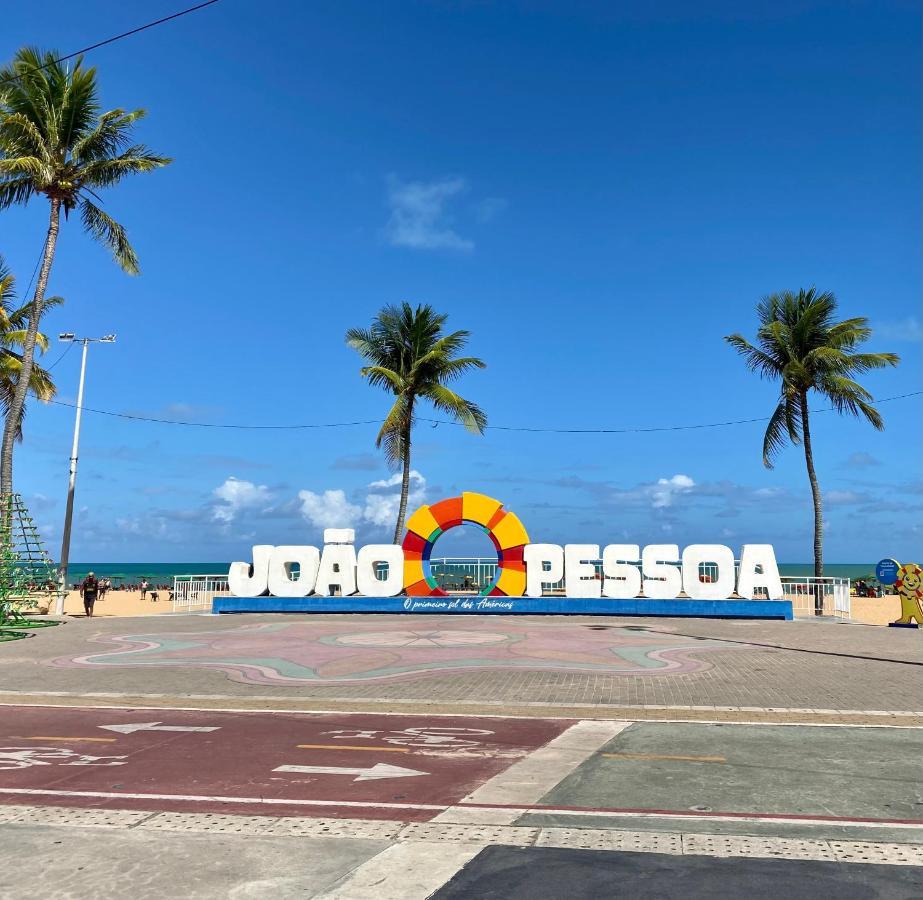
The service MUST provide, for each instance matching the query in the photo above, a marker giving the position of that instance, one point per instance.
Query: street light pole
(72, 477)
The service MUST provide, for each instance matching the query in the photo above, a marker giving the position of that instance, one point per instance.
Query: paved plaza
(477, 662)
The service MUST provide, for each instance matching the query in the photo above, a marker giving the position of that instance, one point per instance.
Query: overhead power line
(122, 36)
(66, 351)
(517, 428)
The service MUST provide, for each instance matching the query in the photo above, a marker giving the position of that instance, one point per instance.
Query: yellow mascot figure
(909, 587)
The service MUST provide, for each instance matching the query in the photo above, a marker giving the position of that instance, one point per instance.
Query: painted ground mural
(317, 652)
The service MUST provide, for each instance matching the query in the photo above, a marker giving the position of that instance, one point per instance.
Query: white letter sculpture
(723, 585)
(337, 563)
(368, 558)
(764, 557)
(621, 579)
(535, 556)
(245, 580)
(580, 579)
(281, 583)
(662, 578)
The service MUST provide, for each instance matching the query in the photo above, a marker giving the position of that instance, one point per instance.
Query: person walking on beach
(89, 590)
(144, 587)
(104, 586)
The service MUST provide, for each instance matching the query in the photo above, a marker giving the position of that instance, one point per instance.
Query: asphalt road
(507, 873)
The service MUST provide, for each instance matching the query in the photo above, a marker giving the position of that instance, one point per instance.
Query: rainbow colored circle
(503, 528)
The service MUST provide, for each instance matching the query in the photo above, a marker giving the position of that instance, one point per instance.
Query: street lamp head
(66, 336)
(108, 339)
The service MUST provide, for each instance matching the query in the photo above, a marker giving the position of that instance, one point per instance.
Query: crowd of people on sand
(865, 587)
(144, 586)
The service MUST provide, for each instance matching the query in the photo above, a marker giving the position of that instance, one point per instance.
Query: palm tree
(800, 345)
(55, 143)
(411, 358)
(13, 335)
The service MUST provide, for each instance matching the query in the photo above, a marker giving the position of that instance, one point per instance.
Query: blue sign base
(723, 609)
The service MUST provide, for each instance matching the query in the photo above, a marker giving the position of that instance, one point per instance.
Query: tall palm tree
(800, 345)
(54, 142)
(411, 358)
(12, 336)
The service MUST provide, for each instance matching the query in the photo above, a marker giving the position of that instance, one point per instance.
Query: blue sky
(598, 191)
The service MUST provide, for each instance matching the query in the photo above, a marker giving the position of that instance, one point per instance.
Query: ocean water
(133, 573)
(163, 573)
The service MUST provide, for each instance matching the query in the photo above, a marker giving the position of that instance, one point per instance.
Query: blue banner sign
(886, 571)
(725, 609)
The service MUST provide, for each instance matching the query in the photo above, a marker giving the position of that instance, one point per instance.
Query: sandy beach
(117, 603)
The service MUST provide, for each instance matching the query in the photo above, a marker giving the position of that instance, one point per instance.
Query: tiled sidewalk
(709, 668)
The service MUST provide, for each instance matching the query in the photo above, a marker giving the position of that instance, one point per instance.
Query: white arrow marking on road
(379, 770)
(156, 726)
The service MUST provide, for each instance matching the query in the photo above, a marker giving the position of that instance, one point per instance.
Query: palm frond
(30, 166)
(15, 191)
(381, 376)
(447, 401)
(776, 435)
(110, 136)
(391, 435)
(866, 362)
(105, 173)
(849, 398)
(755, 359)
(107, 231)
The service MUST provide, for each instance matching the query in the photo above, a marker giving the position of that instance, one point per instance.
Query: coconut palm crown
(55, 143)
(800, 344)
(411, 358)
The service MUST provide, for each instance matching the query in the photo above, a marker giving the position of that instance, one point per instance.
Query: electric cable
(514, 428)
(119, 37)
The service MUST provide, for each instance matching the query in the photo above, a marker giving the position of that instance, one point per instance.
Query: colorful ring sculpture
(502, 527)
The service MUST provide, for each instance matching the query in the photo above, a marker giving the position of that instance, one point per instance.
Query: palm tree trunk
(14, 413)
(818, 508)
(405, 485)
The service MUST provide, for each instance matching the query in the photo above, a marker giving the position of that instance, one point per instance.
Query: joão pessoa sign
(523, 568)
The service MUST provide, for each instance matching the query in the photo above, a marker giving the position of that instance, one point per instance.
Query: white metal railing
(195, 592)
(809, 595)
(818, 596)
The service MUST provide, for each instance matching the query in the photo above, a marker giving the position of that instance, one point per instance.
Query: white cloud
(417, 481)
(235, 495)
(418, 214)
(328, 510)
(666, 489)
(384, 497)
(332, 509)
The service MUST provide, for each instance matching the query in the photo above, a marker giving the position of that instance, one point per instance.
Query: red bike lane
(308, 764)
